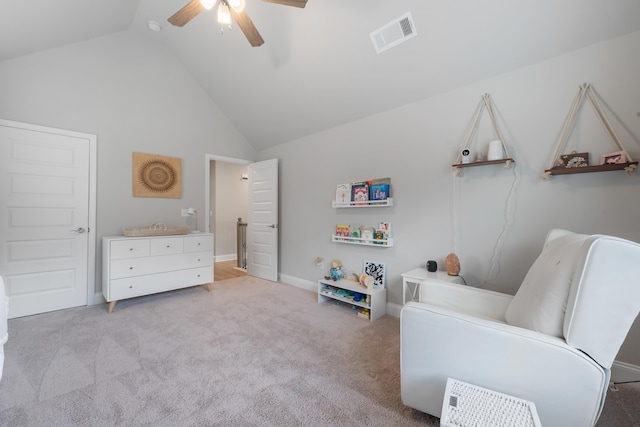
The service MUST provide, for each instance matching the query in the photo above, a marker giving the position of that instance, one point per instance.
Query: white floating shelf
(367, 204)
(363, 242)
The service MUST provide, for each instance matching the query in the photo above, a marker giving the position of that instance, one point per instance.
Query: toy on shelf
(335, 273)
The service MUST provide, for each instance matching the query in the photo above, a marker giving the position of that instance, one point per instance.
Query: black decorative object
(432, 266)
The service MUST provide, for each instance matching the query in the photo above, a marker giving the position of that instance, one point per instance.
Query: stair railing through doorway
(242, 244)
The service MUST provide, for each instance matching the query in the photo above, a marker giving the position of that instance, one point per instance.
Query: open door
(262, 223)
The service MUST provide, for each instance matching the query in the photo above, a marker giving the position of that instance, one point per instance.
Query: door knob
(272, 226)
(79, 230)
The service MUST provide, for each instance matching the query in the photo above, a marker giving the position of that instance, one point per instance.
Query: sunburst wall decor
(157, 176)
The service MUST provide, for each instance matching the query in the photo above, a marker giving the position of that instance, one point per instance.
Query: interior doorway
(259, 199)
(226, 203)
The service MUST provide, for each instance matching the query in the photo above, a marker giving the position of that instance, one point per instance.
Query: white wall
(231, 200)
(135, 97)
(489, 210)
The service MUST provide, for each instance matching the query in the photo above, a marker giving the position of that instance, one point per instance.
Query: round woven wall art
(156, 176)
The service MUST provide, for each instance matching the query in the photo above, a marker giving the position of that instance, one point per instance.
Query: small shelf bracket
(586, 91)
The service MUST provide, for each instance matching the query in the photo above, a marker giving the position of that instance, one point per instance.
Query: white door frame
(92, 297)
(207, 184)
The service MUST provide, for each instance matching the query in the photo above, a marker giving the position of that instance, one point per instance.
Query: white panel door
(262, 223)
(44, 218)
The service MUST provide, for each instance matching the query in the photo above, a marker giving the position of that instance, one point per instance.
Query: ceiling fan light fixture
(237, 5)
(224, 15)
(207, 4)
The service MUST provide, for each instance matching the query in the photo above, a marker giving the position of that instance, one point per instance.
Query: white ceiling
(318, 68)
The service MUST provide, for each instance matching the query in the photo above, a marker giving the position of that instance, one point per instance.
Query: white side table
(417, 275)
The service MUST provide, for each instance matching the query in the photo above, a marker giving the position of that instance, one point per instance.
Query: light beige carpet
(249, 353)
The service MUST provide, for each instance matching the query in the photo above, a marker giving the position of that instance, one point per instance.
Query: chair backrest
(604, 297)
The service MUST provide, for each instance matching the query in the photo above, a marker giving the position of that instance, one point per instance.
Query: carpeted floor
(249, 353)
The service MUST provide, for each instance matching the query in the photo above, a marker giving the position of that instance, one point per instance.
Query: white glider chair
(553, 343)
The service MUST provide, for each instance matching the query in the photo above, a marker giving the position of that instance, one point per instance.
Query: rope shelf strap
(486, 102)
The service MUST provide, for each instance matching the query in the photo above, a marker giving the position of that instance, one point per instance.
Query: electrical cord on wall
(505, 227)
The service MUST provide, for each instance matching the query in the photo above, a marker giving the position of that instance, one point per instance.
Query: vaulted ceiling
(318, 67)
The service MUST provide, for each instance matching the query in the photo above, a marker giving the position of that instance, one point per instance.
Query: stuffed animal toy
(335, 273)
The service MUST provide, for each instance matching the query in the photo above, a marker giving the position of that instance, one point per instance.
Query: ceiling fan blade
(246, 25)
(186, 14)
(294, 3)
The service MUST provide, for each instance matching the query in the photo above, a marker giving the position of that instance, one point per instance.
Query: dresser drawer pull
(130, 286)
(168, 246)
(130, 268)
(130, 249)
(198, 275)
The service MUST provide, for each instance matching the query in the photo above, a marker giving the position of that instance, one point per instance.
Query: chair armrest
(465, 299)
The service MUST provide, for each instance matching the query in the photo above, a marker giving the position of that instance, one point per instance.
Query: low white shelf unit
(374, 303)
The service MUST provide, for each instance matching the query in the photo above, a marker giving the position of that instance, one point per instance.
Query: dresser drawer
(154, 283)
(141, 266)
(121, 249)
(198, 243)
(166, 246)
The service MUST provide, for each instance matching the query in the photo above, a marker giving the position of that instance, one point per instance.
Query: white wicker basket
(156, 229)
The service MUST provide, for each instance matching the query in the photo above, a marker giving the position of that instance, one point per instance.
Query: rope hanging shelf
(486, 102)
(586, 91)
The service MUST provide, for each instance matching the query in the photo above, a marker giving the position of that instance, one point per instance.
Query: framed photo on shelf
(377, 270)
(615, 158)
(575, 160)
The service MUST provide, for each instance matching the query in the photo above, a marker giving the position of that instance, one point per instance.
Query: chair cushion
(541, 301)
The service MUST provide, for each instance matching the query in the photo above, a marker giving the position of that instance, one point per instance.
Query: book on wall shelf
(369, 193)
(362, 235)
(360, 193)
(343, 193)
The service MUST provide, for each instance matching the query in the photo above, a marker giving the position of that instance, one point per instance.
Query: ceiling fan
(226, 9)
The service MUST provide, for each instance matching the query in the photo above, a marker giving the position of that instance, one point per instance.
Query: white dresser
(135, 266)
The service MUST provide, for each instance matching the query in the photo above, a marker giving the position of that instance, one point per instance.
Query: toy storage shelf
(377, 305)
(363, 242)
(594, 168)
(367, 204)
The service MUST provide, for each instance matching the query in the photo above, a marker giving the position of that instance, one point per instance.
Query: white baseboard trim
(228, 257)
(97, 299)
(298, 283)
(393, 309)
(622, 372)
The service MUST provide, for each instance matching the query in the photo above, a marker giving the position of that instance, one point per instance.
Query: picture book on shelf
(379, 189)
(342, 230)
(385, 227)
(343, 193)
(360, 193)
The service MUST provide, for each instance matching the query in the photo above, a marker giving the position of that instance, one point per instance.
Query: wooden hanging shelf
(629, 167)
(485, 162)
(586, 92)
(485, 103)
